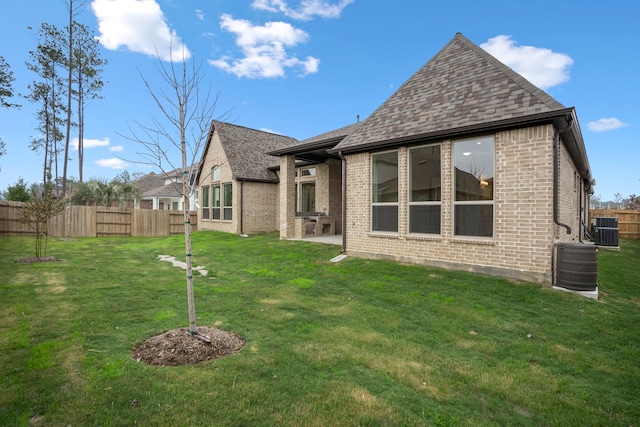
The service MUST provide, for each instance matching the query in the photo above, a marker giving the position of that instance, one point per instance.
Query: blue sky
(304, 67)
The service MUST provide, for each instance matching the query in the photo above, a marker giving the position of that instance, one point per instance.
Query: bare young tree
(186, 108)
(618, 199)
(37, 213)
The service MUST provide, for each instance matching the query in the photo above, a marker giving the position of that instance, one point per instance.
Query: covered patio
(311, 182)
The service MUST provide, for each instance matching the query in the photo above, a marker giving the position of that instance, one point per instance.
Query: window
(228, 202)
(473, 181)
(384, 189)
(425, 190)
(308, 172)
(205, 202)
(215, 173)
(308, 196)
(175, 206)
(216, 202)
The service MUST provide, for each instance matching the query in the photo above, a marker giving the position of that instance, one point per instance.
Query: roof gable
(461, 86)
(246, 150)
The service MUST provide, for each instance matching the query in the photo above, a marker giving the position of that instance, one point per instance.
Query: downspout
(241, 206)
(556, 175)
(580, 213)
(344, 202)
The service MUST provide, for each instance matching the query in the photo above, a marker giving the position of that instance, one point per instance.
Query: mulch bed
(178, 347)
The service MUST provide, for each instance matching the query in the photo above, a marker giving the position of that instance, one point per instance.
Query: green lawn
(358, 342)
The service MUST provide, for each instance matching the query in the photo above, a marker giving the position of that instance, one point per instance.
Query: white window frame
(215, 173)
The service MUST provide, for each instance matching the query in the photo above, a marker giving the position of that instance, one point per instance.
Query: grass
(359, 342)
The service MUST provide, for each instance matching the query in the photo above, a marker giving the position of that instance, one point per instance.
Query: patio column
(287, 196)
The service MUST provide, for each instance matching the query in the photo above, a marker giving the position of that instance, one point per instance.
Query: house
(164, 191)
(466, 166)
(237, 181)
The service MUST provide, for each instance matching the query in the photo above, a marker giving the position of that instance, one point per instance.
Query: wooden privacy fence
(96, 221)
(628, 221)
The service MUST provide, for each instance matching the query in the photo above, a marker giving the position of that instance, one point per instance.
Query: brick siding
(522, 246)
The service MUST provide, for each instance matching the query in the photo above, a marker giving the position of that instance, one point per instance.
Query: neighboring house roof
(463, 90)
(154, 185)
(149, 182)
(169, 190)
(246, 150)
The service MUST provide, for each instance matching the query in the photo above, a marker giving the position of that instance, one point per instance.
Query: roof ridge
(253, 129)
(520, 80)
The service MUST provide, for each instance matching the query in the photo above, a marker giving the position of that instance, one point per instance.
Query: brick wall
(334, 170)
(216, 157)
(287, 192)
(260, 207)
(523, 213)
(568, 199)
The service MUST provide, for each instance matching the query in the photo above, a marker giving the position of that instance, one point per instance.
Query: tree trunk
(54, 126)
(69, 87)
(187, 228)
(187, 241)
(80, 129)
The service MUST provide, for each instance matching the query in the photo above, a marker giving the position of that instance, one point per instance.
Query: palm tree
(99, 192)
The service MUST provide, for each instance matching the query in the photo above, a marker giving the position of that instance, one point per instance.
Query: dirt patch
(33, 259)
(178, 347)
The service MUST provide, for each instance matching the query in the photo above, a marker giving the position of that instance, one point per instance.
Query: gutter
(556, 173)
(344, 203)
(459, 132)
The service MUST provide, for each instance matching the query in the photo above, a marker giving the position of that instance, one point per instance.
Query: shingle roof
(461, 86)
(246, 150)
(169, 190)
(317, 147)
(149, 182)
(328, 136)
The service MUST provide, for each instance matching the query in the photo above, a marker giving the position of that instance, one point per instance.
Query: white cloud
(270, 131)
(137, 26)
(116, 148)
(541, 66)
(112, 163)
(604, 125)
(264, 50)
(90, 143)
(199, 15)
(306, 10)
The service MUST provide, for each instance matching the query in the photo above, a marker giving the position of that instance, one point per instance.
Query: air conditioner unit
(607, 236)
(605, 222)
